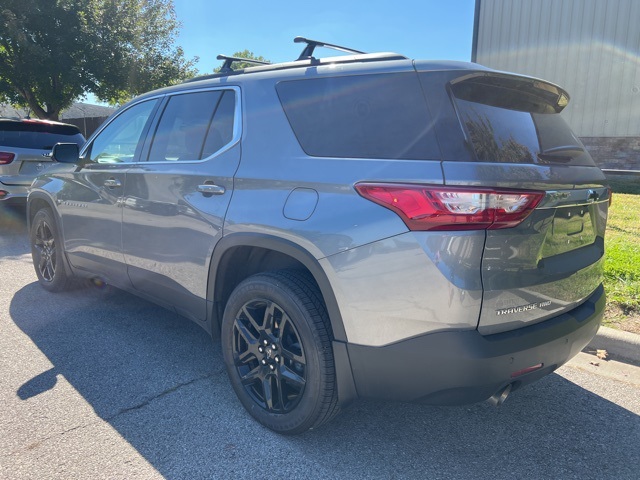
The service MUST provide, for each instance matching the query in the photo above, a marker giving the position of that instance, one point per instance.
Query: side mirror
(66, 153)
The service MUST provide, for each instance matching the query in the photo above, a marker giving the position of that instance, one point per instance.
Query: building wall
(615, 153)
(589, 47)
(87, 125)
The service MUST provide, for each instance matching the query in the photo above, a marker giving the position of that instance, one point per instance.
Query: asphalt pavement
(96, 383)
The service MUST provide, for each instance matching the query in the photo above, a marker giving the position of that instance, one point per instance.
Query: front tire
(276, 343)
(46, 252)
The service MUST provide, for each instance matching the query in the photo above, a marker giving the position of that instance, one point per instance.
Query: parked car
(25, 152)
(363, 225)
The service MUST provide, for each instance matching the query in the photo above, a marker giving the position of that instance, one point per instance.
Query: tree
(242, 65)
(54, 51)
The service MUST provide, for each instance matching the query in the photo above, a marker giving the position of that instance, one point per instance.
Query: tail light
(426, 207)
(6, 158)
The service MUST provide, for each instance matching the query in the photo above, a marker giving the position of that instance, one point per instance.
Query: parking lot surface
(96, 383)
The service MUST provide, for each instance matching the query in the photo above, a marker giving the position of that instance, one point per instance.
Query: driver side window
(121, 139)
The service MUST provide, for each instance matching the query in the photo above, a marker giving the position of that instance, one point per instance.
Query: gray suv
(25, 153)
(358, 226)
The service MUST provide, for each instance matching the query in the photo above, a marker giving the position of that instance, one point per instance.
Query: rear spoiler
(510, 91)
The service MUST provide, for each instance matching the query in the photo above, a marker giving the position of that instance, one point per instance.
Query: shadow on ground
(13, 220)
(159, 381)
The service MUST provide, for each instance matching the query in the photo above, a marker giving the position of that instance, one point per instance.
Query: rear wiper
(562, 154)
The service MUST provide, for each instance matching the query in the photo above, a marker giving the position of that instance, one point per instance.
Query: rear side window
(36, 135)
(194, 126)
(362, 116)
(516, 120)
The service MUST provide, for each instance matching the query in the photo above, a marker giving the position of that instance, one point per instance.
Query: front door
(90, 202)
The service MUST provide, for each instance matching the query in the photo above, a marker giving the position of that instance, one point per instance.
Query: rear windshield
(41, 136)
(516, 120)
(360, 116)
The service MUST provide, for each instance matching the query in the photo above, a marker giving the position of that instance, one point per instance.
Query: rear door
(176, 198)
(516, 138)
(548, 264)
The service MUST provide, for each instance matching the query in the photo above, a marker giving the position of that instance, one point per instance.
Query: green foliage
(53, 51)
(243, 65)
(625, 184)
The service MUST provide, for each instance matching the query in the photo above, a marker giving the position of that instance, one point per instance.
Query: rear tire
(276, 342)
(46, 251)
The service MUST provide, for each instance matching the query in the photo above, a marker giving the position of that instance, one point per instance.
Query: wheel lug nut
(264, 362)
(272, 367)
(266, 342)
(273, 346)
(260, 349)
(277, 358)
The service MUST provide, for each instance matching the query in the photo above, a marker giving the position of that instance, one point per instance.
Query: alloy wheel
(269, 356)
(46, 248)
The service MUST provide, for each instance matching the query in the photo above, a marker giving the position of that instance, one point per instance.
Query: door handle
(211, 189)
(112, 183)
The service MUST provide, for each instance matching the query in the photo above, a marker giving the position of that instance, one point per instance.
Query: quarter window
(361, 116)
(194, 126)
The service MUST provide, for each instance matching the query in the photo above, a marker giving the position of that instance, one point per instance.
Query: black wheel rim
(46, 249)
(268, 356)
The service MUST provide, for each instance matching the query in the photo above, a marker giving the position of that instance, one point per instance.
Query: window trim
(155, 118)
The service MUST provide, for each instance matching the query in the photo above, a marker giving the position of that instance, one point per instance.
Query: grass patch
(622, 244)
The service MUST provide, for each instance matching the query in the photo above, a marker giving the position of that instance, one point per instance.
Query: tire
(46, 251)
(276, 343)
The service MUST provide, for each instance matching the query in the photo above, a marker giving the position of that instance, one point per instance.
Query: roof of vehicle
(355, 62)
(33, 121)
(387, 61)
(37, 125)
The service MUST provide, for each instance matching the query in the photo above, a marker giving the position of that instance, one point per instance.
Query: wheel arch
(36, 201)
(256, 253)
(238, 256)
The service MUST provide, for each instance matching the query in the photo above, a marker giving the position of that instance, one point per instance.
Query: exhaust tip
(500, 396)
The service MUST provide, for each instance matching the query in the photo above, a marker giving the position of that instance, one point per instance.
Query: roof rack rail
(307, 52)
(226, 66)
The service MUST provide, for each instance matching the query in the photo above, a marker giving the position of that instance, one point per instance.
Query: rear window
(361, 116)
(516, 120)
(36, 135)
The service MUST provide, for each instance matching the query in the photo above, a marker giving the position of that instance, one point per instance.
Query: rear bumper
(462, 367)
(13, 194)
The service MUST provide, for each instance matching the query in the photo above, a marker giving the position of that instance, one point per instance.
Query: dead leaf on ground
(602, 354)
(595, 364)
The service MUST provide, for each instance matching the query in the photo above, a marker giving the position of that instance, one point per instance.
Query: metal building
(589, 47)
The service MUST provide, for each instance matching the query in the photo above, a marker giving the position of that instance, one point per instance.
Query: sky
(427, 29)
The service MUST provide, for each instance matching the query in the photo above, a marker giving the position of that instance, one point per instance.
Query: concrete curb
(620, 345)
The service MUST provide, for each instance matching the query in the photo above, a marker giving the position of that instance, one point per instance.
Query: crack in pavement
(36, 444)
(161, 395)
